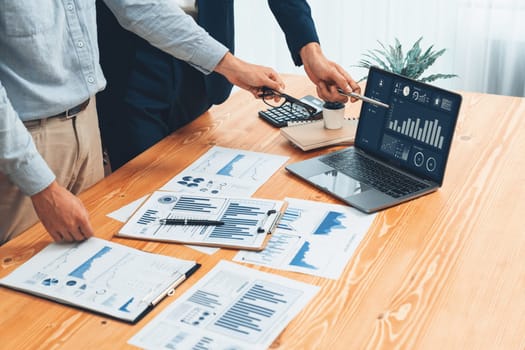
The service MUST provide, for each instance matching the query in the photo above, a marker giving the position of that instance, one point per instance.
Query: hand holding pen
(363, 98)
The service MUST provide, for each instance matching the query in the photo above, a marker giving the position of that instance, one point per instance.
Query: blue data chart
(229, 168)
(124, 308)
(332, 221)
(276, 249)
(241, 221)
(206, 299)
(288, 218)
(255, 310)
(49, 282)
(148, 217)
(204, 343)
(86, 266)
(195, 204)
(301, 258)
(58, 263)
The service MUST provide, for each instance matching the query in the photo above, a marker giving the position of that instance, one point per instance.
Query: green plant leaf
(375, 58)
(412, 65)
(437, 76)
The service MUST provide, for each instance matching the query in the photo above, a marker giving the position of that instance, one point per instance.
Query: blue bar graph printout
(244, 221)
(255, 310)
(231, 307)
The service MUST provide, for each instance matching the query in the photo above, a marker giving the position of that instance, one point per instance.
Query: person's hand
(327, 75)
(62, 214)
(249, 76)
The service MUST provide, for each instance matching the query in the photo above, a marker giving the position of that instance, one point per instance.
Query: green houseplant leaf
(412, 65)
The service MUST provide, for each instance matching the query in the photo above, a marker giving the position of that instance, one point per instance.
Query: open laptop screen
(415, 133)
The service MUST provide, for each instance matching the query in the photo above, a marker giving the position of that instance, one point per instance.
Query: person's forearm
(248, 76)
(167, 27)
(228, 65)
(325, 74)
(310, 52)
(19, 158)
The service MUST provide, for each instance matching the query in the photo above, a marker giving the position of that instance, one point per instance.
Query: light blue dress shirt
(49, 62)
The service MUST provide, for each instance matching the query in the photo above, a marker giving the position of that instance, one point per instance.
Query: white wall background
(485, 39)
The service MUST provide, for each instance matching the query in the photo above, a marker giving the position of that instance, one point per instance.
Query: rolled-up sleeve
(167, 27)
(19, 158)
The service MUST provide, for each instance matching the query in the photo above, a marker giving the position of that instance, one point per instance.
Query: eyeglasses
(294, 105)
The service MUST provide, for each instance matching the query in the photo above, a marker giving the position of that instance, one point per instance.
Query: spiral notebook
(313, 135)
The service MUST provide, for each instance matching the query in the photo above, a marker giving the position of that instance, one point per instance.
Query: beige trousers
(72, 149)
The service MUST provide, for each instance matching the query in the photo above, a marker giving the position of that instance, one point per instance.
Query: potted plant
(411, 65)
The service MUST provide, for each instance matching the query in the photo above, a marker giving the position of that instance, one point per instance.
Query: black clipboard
(36, 277)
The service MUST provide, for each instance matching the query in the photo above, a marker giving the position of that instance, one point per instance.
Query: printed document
(101, 276)
(245, 221)
(232, 307)
(226, 171)
(313, 238)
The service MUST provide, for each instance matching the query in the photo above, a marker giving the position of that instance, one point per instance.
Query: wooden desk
(445, 271)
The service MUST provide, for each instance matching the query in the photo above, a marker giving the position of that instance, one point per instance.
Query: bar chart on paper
(239, 217)
(255, 311)
(239, 221)
(245, 220)
(312, 238)
(232, 307)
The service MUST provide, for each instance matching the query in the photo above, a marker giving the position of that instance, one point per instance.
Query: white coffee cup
(333, 115)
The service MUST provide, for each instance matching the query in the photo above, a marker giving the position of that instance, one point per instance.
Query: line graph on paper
(226, 171)
(313, 238)
(240, 165)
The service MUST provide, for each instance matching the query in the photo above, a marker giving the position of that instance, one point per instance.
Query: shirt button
(91, 79)
(70, 7)
(80, 44)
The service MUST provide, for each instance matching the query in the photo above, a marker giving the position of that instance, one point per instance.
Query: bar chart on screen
(426, 131)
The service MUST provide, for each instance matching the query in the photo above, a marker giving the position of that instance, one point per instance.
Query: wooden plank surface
(445, 271)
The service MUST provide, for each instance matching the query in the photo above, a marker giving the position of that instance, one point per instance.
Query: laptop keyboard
(373, 173)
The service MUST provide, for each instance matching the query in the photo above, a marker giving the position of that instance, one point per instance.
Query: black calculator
(286, 113)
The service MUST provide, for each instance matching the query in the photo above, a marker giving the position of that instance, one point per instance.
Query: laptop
(400, 152)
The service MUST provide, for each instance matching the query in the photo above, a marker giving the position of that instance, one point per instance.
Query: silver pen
(363, 98)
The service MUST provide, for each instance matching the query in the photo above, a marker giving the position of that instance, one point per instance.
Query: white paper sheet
(232, 307)
(99, 275)
(313, 238)
(226, 171)
(123, 214)
(246, 220)
(220, 171)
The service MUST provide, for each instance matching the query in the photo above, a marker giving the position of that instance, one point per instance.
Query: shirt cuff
(33, 176)
(207, 60)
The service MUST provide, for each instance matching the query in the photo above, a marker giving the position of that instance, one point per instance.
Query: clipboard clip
(168, 292)
(269, 222)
